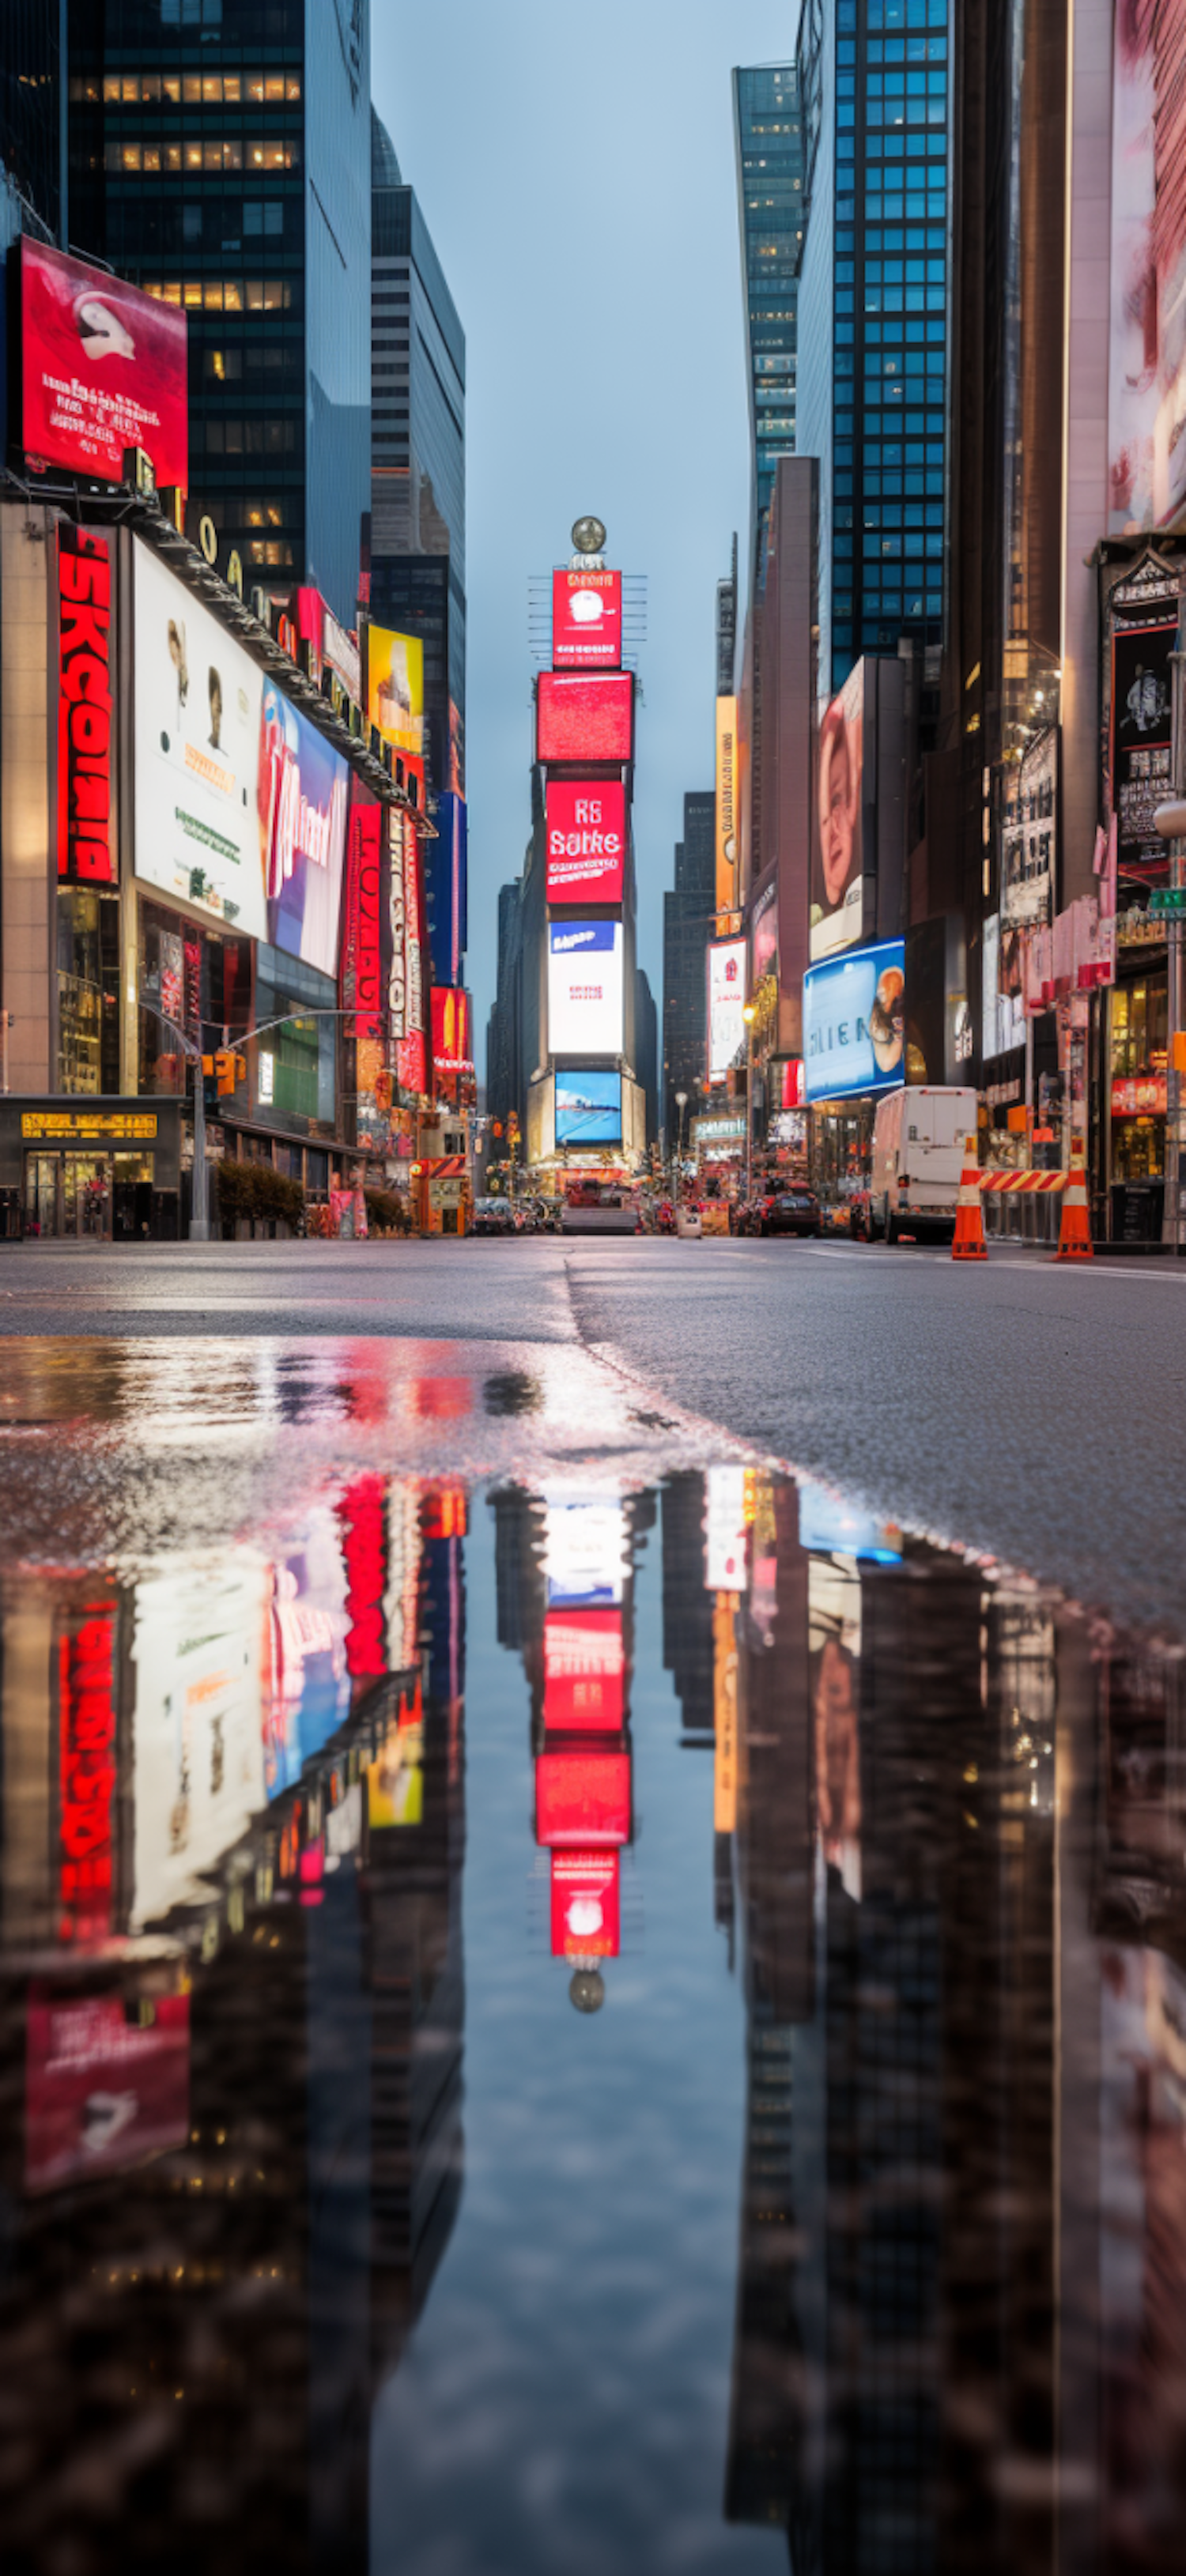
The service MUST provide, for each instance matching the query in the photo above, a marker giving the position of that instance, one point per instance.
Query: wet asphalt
(1032, 1412)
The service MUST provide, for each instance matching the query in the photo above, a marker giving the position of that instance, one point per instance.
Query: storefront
(104, 1170)
(1138, 1057)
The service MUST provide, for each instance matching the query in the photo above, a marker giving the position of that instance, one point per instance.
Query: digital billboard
(726, 805)
(1002, 1012)
(588, 1106)
(1029, 835)
(104, 2090)
(395, 687)
(446, 890)
(584, 1672)
(837, 889)
(1142, 728)
(586, 619)
(584, 716)
(452, 1044)
(302, 799)
(582, 1797)
(197, 701)
(831, 1525)
(85, 849)
(1147, 373)
(586, 840)
(725, 1529)
(726, 1004)
(103, 369)
(586, 1911)
(854, 1022)
(585, 1555)
(585, 988)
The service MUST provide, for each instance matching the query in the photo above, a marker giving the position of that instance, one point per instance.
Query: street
(1032, 1412)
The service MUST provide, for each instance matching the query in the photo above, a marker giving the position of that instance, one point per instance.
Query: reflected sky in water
(566, 2002)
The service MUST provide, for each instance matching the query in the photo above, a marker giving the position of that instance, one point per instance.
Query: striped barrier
(1026, 1181)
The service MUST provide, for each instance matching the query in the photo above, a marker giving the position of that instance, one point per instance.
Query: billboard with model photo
(1147, 379)
(197, 704)
(837, 893)
(302, 798)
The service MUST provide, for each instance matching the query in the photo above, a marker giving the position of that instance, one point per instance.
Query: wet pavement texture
(567, 2000)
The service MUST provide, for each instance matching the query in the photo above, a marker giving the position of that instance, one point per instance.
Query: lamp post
(681, 1102)
(749, 1015)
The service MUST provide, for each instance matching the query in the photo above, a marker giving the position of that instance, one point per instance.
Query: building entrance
(101, 1197)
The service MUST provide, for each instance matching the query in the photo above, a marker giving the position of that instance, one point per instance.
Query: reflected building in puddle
(231, 1962)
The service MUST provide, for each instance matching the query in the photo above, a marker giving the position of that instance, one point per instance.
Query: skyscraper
(418, 455)
(769, 139)
(689, 920)
(873, 382)
(218, 157)
(30, 116)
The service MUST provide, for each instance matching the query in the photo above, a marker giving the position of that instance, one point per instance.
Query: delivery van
(919, 1137)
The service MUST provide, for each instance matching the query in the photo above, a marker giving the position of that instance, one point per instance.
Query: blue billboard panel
(854, 1022)
(588, 1107)
(446, 890)
(831, 1525)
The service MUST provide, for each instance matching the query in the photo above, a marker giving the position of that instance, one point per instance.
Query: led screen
(726, 1004)
(586, 840)
(104, 369)
(582, 1798)
(585, 988)
(588, 1107)
(585, 1559)
(585, 1905)
(1147, 393)
(395, 687)
(584, 1672)
(854, 1022)
(197, 698)
(302, 799)
(586, 619)
(581, 717)
(836, 908)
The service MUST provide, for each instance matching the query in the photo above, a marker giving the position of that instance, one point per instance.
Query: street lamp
(749, 1015)
(681, 1102)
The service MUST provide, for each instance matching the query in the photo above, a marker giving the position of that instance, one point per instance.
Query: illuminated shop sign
(103, 370)
(586, 619)
(854, 1022)
(70, 1126)
(586, 840)
(585, 716)
(84, 709)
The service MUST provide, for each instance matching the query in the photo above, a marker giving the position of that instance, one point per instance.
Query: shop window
(88, 991)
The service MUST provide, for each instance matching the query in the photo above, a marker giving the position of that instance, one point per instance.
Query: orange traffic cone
(969, 1244)
(1074, 1240)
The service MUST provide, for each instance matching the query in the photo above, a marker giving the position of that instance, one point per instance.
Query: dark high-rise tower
(218, 156)
(769, 137)
(689, 920)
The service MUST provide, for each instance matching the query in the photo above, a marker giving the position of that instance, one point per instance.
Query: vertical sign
(86, 1765)
(726, 824)
(84, 709)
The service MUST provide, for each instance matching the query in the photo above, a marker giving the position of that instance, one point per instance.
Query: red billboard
(84, 709)
(86, 1773)
(362, 920)
(584, 1672)
(585, 716)
(103, 369)
(582, 1798)
(587, 620)
(586, 821)
(586, 1911)
(103, 2090)
(452, 1043)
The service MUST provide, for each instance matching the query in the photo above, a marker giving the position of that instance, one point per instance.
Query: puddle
(566, 2002)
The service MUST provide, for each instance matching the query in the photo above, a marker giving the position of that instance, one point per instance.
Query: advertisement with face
(585, 717)
(854, 1023)
(586, 840)
(302, 800)
(585, 988)
(1147, 378)
(586, 620)
(836, 912)
(395, 687)
(588, 1106)
(197, 703)
(104, 369)
(726, 1005)
(1003, 1011)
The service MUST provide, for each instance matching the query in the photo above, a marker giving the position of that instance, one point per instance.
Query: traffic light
(231, 1068)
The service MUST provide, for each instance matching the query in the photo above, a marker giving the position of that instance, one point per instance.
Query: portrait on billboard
(1147, 374)
(103, 369)
(836, 913)
(395, 688)
(197, 707)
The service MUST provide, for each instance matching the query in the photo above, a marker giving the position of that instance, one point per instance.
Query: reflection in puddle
(840, 2221)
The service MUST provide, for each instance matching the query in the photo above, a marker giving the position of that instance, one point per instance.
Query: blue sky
(575, 166)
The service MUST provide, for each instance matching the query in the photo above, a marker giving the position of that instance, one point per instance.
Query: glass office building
(418, 454)
(768, 133)
(874, 294)
(218, 157)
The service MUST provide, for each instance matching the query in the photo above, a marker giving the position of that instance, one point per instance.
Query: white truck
(919, 1139)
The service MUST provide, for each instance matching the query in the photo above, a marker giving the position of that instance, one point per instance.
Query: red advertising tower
(583, 1804)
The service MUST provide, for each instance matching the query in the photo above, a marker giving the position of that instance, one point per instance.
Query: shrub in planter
(386, 1213)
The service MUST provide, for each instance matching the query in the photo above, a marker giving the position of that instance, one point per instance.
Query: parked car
(792, 1212)
(919, 1136)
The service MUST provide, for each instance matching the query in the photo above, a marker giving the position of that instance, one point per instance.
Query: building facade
(689, 920)
(769, 142)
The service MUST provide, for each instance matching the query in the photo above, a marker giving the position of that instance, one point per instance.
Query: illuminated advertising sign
(308, 1687)
(197, 701)
(362, 1515)
(586, 840)
(395, 687)
(584, 1672)
(588, 1106)
(724, 1530)
(1029, 834)
(586, 1909)
(452, 1045)
(333, 647)
(395, 1779)
(412, 1050)
(584, 717)
(1147, 389)
(1002, 1013)
(1142, 727)
(830, 1525)
(836, 909)
(196, 1654)
(582, 1798)
(446, 890)
(585, 988)
(84, 709)
(586, 620)
(302, 797)
(103, 369)
(764, 938)
(854, 1023)
(103, 2090)
(726, 808)
(726, 1004)
(585, 1555)
(361, 988)
(86, 1773)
